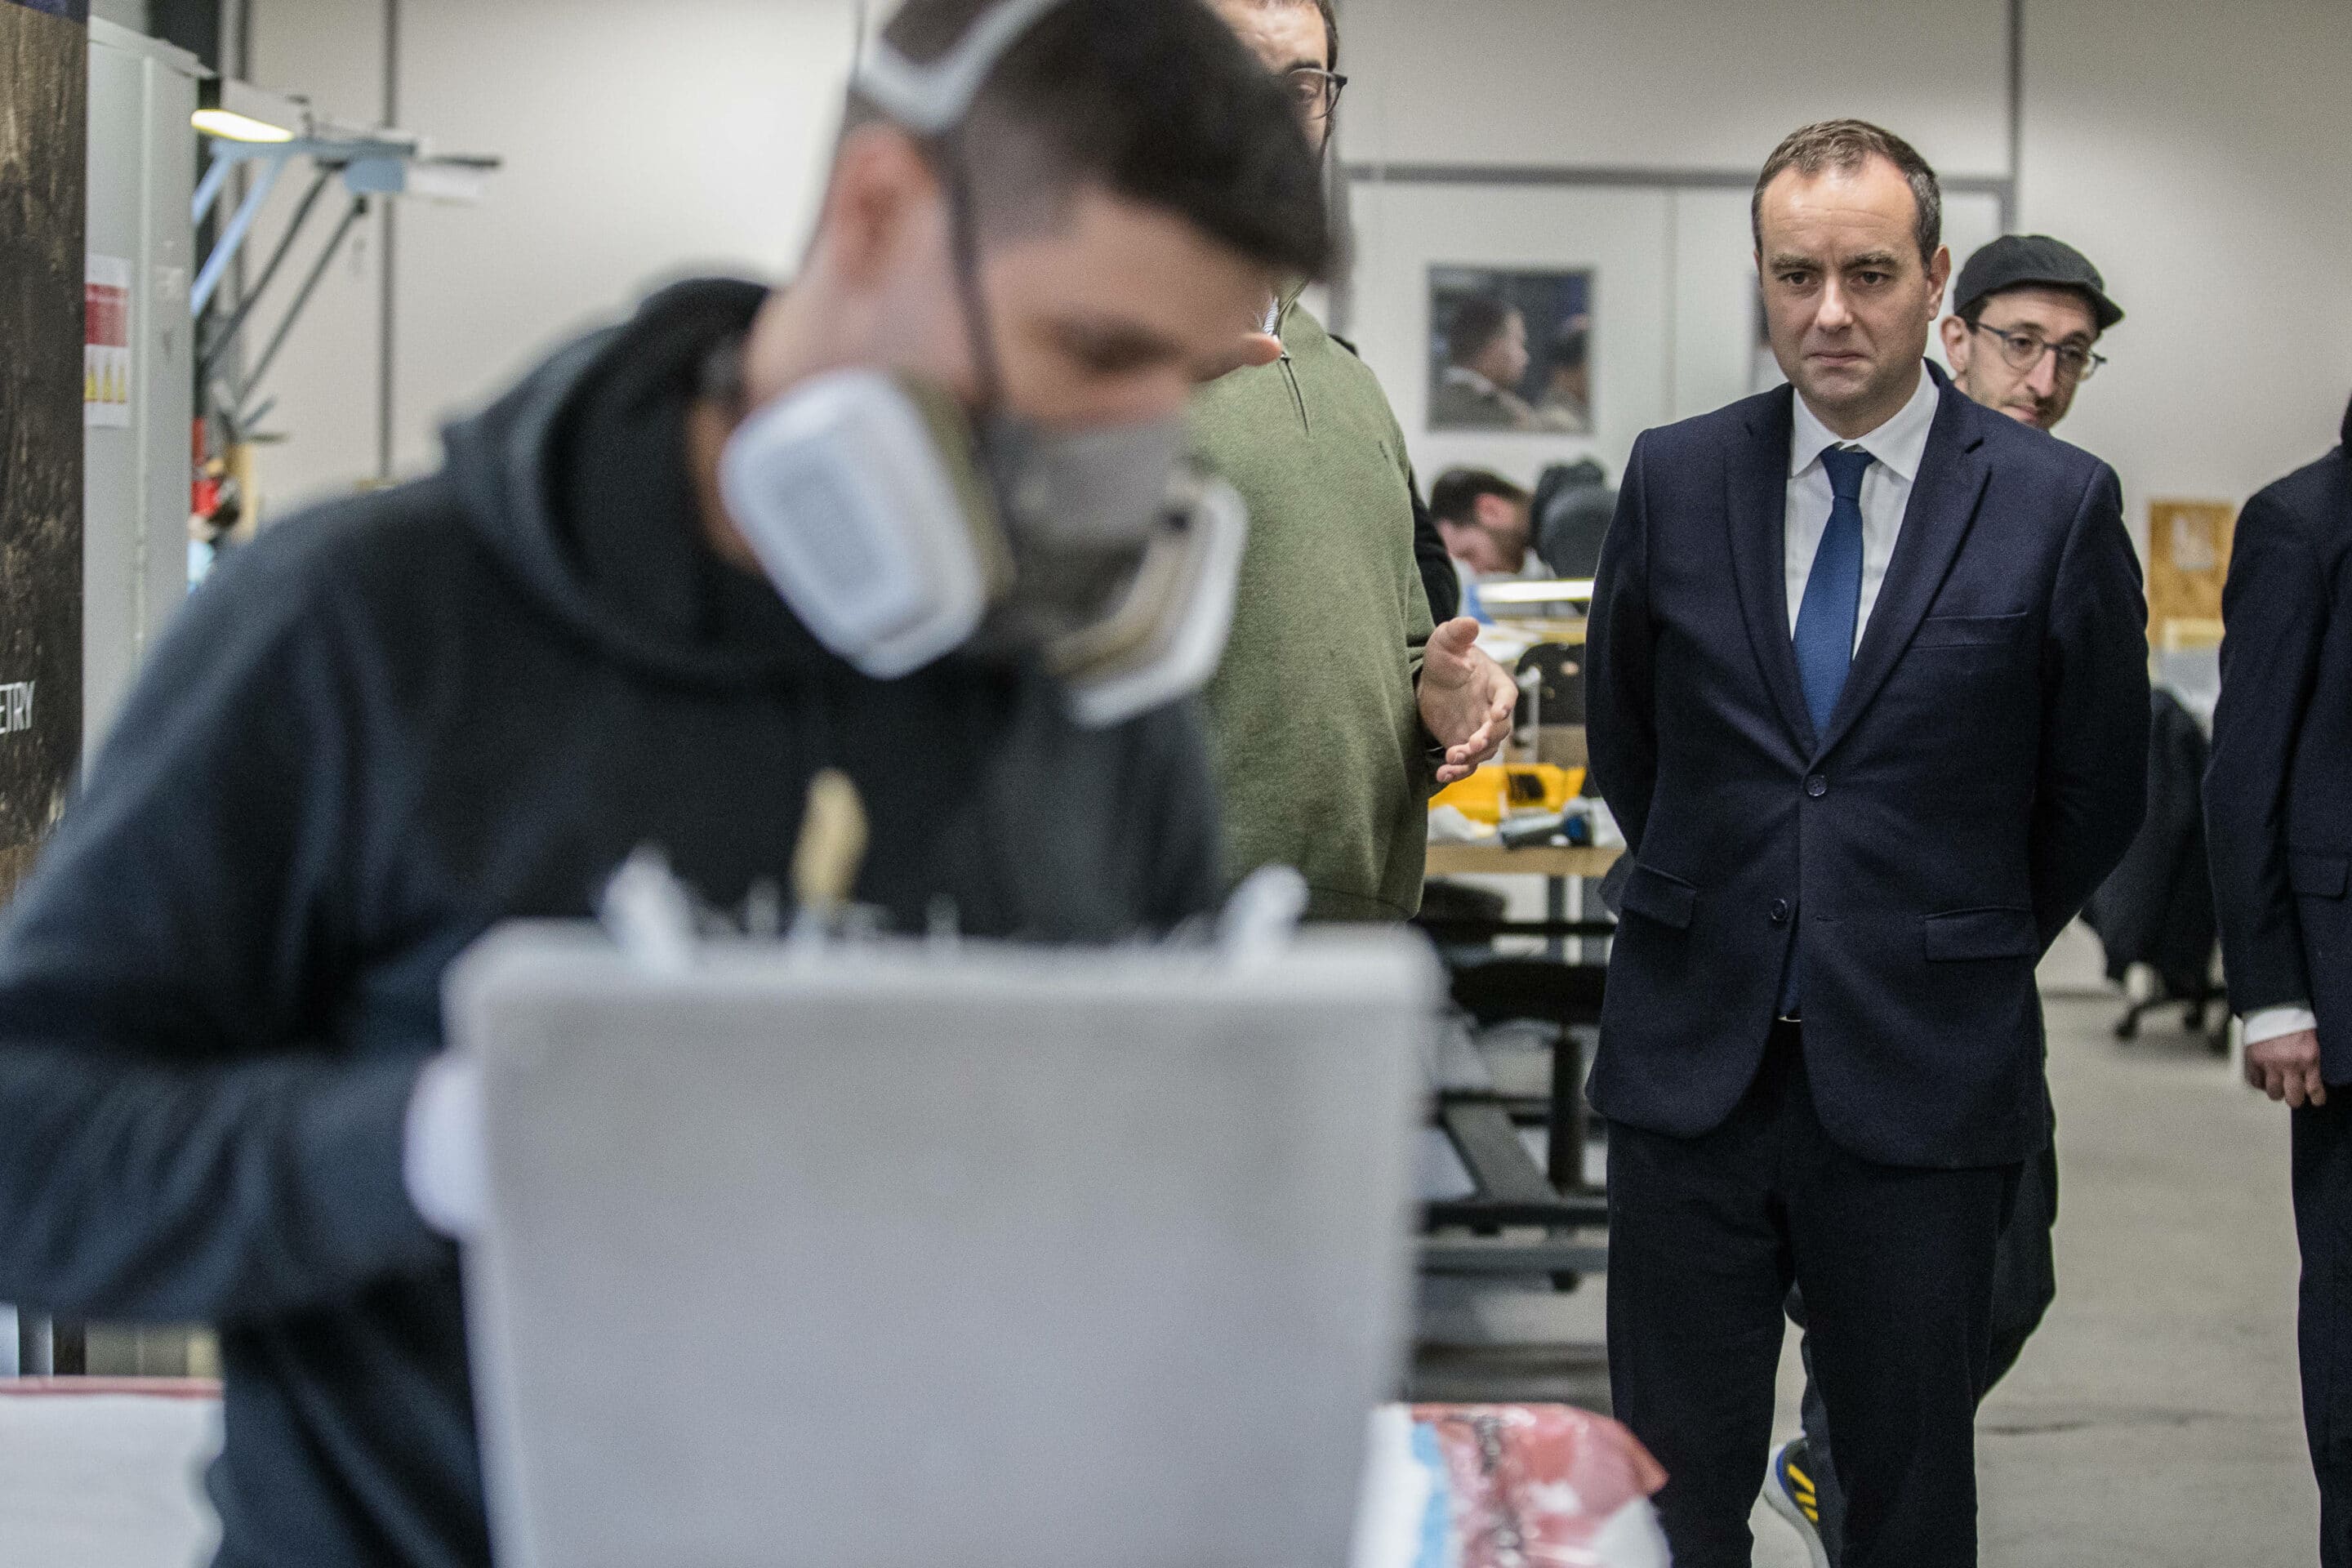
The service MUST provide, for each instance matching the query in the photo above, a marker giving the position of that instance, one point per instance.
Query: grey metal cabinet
(139, 394)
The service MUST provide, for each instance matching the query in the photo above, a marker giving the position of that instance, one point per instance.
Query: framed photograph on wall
(1424, 248)
(1511, 350)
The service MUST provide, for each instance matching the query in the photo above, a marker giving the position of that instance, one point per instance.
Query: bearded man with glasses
(1349, 692)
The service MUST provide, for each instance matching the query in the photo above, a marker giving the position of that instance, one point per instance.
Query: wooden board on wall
(43, 170)
(2187, 561)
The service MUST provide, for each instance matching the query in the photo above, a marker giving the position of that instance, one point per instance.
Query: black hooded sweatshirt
(386, 725)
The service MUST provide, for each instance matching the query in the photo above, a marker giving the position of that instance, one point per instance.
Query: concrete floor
(2155, 1419)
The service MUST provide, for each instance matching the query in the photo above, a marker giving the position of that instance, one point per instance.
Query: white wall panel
(2205, 165)
(641, 143)
(1667, 83)
(1715, 331)
(2200, 155)
(325, 378)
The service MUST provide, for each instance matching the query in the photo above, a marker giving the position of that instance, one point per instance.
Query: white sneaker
(1789, 1491)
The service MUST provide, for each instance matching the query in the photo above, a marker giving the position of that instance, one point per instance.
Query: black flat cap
(2017, 260)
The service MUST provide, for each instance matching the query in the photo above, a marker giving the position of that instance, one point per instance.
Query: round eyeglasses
(1316, 92)
(2023, 350)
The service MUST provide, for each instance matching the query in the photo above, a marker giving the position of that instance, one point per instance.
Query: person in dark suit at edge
(2278, 825)
(1869, 698)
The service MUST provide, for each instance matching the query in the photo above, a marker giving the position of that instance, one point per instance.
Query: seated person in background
(398, 719)
(1486, 353)
(1484, 520)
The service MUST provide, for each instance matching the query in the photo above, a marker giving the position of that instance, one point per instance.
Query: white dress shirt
(1898, 445)
(2273, 1022)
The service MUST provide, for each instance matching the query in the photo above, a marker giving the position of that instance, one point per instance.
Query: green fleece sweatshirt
(1313, 722)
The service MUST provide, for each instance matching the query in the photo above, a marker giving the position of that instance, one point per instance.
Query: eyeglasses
(1317, 92)
(2023, 350)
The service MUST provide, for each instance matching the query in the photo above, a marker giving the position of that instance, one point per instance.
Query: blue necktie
(1825, 630)
(1834, 593)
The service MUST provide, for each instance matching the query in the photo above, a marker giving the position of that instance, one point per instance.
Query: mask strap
(963, 250)
(988, 370)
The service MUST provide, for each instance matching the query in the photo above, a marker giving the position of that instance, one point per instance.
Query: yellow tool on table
(1500, 789)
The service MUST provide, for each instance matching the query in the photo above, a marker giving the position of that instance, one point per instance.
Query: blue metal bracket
(225, 249)
(360, 160)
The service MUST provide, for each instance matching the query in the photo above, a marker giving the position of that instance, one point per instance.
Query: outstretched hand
(1466, 700)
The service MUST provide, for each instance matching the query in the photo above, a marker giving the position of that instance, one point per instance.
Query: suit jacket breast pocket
(1971, 631)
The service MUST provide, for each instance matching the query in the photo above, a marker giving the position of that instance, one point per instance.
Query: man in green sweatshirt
(1339, 707)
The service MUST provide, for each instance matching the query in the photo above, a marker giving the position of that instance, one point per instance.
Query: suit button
(1780, 911)
(1817, 786)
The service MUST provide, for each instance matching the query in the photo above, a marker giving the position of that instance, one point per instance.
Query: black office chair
(1572, 506)
(1559, 695)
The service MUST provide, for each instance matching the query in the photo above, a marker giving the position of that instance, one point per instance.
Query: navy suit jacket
(2278, 793)
(1984, 769)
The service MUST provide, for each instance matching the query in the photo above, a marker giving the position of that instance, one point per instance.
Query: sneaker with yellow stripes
(1789, 1489)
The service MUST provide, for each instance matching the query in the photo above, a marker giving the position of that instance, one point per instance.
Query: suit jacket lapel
(1943, 505)
(1756, 476)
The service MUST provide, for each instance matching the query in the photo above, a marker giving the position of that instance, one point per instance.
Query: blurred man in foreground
(657, 588)
(1337, 708)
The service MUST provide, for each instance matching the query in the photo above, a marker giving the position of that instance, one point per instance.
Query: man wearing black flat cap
(2025, 314)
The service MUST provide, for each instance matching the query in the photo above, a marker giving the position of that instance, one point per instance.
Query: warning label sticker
(106, 341)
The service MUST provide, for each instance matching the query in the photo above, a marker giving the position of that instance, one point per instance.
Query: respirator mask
(899, 529)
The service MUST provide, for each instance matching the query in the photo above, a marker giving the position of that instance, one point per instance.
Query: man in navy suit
(2278, 824)
(1869, 698)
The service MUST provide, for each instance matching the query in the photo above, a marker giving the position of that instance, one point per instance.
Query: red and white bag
(1508, 1486)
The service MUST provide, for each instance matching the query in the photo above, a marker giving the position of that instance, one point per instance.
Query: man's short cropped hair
(1455, 497)
(1845, 145)
(1155, 101)
(1475, 322)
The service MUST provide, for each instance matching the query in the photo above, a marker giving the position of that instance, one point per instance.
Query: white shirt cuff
(2272, 1022)
(444, 1163)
